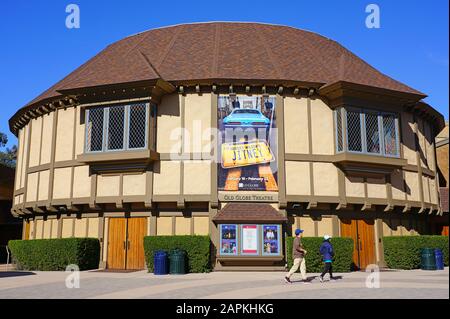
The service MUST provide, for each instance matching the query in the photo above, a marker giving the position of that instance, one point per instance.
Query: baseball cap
(326, 237)
(298, 231)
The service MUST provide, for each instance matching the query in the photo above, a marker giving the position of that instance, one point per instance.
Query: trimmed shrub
(197, 249)
(403, 252)
(343, 249)
(55, 254)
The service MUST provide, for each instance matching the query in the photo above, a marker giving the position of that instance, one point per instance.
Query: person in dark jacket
(326, 250)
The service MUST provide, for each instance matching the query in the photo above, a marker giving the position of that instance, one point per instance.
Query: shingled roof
(248, 213)
(225, 50)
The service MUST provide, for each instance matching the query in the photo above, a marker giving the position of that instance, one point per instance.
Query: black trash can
(177, 261)
(160, 263)
(439, 259)
(427, 259)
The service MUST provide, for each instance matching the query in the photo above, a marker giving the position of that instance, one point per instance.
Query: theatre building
(239, 131)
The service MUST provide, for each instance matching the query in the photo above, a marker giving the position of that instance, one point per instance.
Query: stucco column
(379, 248)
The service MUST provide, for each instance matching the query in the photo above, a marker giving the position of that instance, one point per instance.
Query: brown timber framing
(27, 163)
(52, 160)
(281, 160)
(214, 154)
(310, 149)
(419, 162)
(180, 200)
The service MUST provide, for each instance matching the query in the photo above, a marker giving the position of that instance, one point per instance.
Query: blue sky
(38, 50)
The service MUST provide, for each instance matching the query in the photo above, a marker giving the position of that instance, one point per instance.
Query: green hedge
(196, 247)
(343, 248)
(55, 254)
(403, 252)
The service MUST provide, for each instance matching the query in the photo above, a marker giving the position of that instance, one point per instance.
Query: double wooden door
(363, 234)
(126, 243)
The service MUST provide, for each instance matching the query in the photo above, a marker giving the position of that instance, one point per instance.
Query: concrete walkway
(223, 285)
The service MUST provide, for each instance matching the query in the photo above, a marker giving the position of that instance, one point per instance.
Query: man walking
(326, 250)
(298, 253)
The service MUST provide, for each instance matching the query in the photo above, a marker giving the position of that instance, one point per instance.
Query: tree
(8, 157)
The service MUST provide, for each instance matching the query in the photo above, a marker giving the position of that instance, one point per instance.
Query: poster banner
(271, 239)
(250, 239)
(228, 239)
(247, 143)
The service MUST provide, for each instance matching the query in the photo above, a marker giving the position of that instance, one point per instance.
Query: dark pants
(327, 268)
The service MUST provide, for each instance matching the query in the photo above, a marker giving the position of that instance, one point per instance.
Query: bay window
(117, 128)
(367, 131)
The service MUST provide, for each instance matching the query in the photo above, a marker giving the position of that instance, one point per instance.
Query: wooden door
(117, 234)
(366, 243)
(362, 233)
(349, 229)
(27, 230)
(137, 229)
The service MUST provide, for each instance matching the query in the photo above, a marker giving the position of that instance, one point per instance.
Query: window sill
(368, 165)
(141, 156)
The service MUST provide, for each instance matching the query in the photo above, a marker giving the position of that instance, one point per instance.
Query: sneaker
(287, 280)
(320, 278)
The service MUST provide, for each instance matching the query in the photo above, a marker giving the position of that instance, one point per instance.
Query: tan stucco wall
(19, 160)
(164, 226)
(296, 125)
(54, 233)
(354, 186)
(169, 119)
(81, 182)
(39, 229)
(426, 189)
(47, 229)
(64, 135)
(167, 180)
(412, 182)
(421, 138)
(79, 146)
(35, 151)
(376, 188)
(67, 227)
(80, 227)
(32, 184)
(325, 227)
(322, 128)
(297, 178)
(409, 148)
(307, 224)
(62, 181)
(182, 225)
(398, 187)
(108, 185)
(197, 177)
(325, 179)
(201, 225)
(197, 119)
(133, 184)
(43, 185)
(442, 154)
(93, 224)
(47, 133)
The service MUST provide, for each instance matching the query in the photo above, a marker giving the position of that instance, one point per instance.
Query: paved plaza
(223, 285)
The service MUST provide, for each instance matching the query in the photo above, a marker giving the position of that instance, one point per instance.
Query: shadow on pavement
(5, 274)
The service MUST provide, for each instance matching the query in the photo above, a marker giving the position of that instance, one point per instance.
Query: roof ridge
(169, 46)
(149, 63)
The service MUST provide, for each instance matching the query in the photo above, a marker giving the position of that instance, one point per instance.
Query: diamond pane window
(116, 127)
(354, 140)
(372, 133)
(366, 131)
(138, 116)
(94, 130)
(390, 134)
